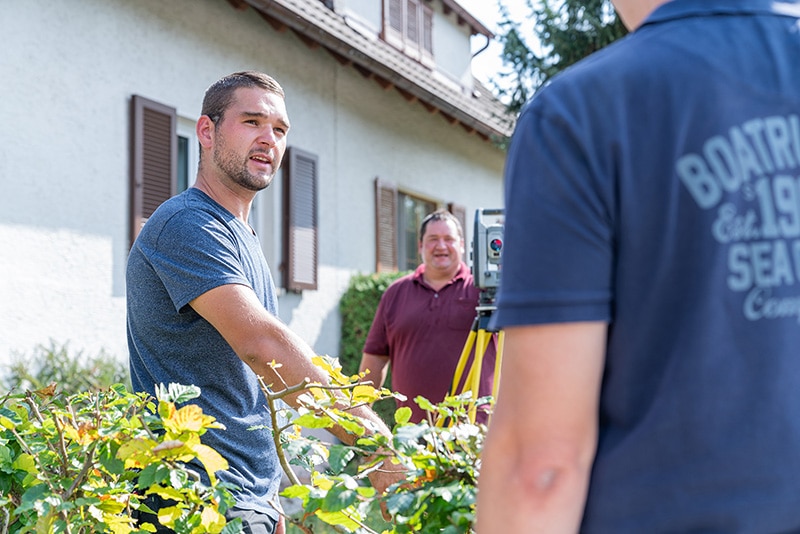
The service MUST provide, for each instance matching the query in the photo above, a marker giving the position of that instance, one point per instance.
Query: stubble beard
(236, 170)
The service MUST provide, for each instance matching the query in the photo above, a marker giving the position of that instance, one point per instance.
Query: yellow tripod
(479, 337)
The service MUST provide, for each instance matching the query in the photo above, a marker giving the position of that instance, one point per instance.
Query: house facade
(99, 99)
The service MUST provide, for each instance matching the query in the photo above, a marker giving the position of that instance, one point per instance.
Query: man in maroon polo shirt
(423, 321)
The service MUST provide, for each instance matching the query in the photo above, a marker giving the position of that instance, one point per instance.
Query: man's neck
(438, 279)
(236, 202)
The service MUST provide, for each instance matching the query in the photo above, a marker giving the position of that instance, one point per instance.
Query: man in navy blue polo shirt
(651, 284)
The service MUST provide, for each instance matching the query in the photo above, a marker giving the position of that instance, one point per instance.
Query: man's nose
(268, 137)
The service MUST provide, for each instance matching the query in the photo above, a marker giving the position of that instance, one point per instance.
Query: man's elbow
(558, 474)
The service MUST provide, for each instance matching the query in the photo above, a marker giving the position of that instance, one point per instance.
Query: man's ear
(205, 129)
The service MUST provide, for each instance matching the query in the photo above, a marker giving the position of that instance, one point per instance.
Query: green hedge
(358, 306)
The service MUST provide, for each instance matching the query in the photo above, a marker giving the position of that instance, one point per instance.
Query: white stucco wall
(68, 70)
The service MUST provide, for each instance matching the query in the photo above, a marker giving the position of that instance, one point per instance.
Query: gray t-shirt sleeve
(194, 253)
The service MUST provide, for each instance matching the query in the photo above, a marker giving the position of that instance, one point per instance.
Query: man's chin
(260, 184)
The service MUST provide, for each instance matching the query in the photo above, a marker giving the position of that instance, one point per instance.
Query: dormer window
(408, 25)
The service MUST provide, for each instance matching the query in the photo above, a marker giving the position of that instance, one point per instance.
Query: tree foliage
(564, 32)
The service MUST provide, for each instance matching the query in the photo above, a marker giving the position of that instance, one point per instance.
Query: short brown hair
(219, 96)
(440, 215)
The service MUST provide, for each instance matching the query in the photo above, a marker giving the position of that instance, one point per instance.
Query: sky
(487, 63)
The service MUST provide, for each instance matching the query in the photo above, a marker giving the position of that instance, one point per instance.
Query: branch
(276, 431)
(88, 463)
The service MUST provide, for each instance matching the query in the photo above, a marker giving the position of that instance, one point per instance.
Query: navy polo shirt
(656, 186)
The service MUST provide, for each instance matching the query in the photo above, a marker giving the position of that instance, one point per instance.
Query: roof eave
(351, 49)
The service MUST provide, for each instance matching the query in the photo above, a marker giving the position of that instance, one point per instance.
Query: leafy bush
(441, 457)
(357, 306)
(84, 462)
(72, 373)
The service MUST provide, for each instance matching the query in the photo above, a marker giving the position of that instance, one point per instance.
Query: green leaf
(401, 503)
(424, 403)
(354, 427)
(296, 492)
(149, 476)
(108, 459)
(176, 393)
(31, 498)
(25, 462)
(338, 498)
(402, 415)
(309, 420)
(233, 527)
(340, 457)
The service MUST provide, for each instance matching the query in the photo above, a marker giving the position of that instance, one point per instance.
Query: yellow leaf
(190, 418)
(337, 518)
(167, 516)
(319, 394)
(118, 524)
(365, 393)
(211, 520)
(25, 462)
(211, 459)
(7, 423)
(321, 482)
(323, 363)
(136, 453)
(111, 507)
(166, 493)
(44, 523)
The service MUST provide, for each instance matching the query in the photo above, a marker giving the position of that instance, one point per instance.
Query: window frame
(408, 26)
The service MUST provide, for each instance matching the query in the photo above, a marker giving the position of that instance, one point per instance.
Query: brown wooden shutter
(385, 226)
(300, 240)
(154, 158)
(460, 213)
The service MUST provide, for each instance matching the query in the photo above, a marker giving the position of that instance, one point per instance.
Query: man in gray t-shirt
(201, 302)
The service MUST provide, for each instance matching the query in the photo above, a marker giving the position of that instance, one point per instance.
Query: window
(412, 211)
(398, 216)
(408, 25)
(183, 164)
(300, 240)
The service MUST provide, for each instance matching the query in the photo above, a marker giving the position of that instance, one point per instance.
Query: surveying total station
(486, 255)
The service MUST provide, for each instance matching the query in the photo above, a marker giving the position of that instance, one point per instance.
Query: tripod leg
(497, 364)
(462, 361)
(474, 379)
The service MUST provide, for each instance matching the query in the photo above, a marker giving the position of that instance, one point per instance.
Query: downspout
(488, 40)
